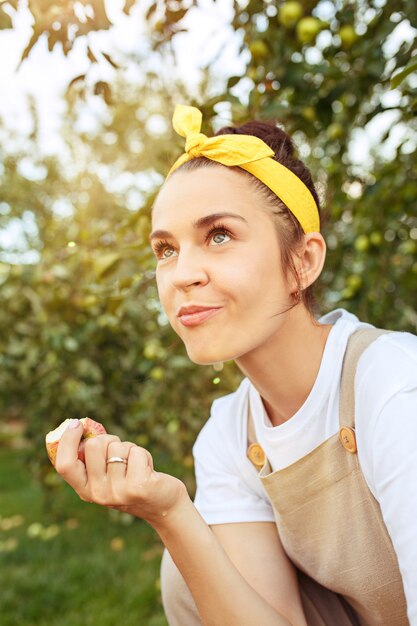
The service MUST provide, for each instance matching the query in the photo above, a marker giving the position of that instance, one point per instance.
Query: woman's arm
(386, 433)
(238, 574)
(389, 454)
(221, 593)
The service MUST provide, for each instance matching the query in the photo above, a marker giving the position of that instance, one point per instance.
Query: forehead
(190, 194)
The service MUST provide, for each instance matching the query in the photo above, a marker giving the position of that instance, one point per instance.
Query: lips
(194, 308)
(194, 315)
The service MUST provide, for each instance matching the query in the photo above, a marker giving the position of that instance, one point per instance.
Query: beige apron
(330, 525)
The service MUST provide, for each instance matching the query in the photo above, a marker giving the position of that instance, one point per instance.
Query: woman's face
(235, 268)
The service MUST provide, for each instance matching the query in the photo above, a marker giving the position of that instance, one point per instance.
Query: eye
(216, 231)
(160, 247)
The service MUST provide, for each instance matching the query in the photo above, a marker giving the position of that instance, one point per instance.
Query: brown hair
(289, 230)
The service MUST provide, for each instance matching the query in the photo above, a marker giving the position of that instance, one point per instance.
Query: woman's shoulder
(394, 352)
(387, 367)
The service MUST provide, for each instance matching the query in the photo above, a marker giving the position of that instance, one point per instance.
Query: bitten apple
(91, 429)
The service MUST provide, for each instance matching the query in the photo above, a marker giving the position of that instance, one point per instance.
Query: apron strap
(251, 426)
(254, 451)
(357, 344)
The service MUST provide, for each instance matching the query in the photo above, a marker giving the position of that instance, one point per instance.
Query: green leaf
(409, 69)
(233, 80)
(104, 263)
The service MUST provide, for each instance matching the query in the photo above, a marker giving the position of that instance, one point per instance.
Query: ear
(310, 259)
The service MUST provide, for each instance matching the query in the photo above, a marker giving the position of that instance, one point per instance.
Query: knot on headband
(187, 123)
(251, 154)
(194, 144)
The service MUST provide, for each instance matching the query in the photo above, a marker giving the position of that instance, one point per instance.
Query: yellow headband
(251, 154)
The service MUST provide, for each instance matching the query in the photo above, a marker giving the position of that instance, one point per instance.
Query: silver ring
(116, 459)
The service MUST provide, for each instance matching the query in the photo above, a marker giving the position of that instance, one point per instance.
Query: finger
(116, 471)
(96, 454)
(67, 464)
(139, 467)
(121, 450)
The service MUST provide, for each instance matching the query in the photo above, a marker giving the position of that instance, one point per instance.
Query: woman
(306, 479)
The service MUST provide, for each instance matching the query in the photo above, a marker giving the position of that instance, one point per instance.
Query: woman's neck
(284, 369)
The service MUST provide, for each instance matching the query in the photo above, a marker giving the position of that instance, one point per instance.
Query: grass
(64, 562)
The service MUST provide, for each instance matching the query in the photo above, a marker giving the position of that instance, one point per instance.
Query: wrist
(173, 520)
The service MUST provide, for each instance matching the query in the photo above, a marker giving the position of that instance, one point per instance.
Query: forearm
(220, 592)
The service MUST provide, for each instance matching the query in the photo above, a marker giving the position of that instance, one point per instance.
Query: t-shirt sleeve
(389, 451)
(228, 487)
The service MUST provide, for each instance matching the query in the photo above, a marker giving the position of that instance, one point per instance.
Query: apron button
(256, 455)
(348, 439)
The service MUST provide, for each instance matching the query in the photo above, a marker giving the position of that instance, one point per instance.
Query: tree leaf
(76, 80)
(233, 80)
(110, 60)
(409, 69)
(175, 16)
(102, 88)
(101, 20)
(105, 262)
(91, 56)
(151, 11)
(29, 47)
(5, 20)
(128, 6)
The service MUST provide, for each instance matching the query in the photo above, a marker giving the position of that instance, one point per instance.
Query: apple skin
(91, 429)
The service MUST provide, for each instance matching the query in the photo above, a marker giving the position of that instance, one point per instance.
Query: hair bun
(276, 138)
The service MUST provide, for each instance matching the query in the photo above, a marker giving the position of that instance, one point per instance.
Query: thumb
(68, 464)
(67, 452)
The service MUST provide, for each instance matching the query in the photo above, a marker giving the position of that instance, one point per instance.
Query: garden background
(82, 332)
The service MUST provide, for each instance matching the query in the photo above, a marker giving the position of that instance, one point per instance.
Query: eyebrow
(200, 223)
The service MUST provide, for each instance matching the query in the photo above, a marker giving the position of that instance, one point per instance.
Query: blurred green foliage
(82, 331)
(76, 566)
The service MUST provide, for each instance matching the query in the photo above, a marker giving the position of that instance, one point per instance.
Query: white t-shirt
(228, 488)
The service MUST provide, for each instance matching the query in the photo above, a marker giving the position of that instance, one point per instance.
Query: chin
(206, 358)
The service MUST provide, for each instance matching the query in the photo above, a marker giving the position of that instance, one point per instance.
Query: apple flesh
(91, 429)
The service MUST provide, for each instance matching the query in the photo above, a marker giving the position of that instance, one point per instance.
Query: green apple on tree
(376, 238)
(308, 28)
(334, 130)
(258, 49)
(347, 35)
(309, 113)
(289, 13)
(362, 243)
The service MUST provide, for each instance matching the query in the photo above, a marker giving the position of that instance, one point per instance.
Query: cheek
(257, 272)
(162, 286)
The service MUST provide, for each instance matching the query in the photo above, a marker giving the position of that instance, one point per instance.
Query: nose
(189, 269)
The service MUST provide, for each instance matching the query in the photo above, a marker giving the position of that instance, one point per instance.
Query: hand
(134, 487)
